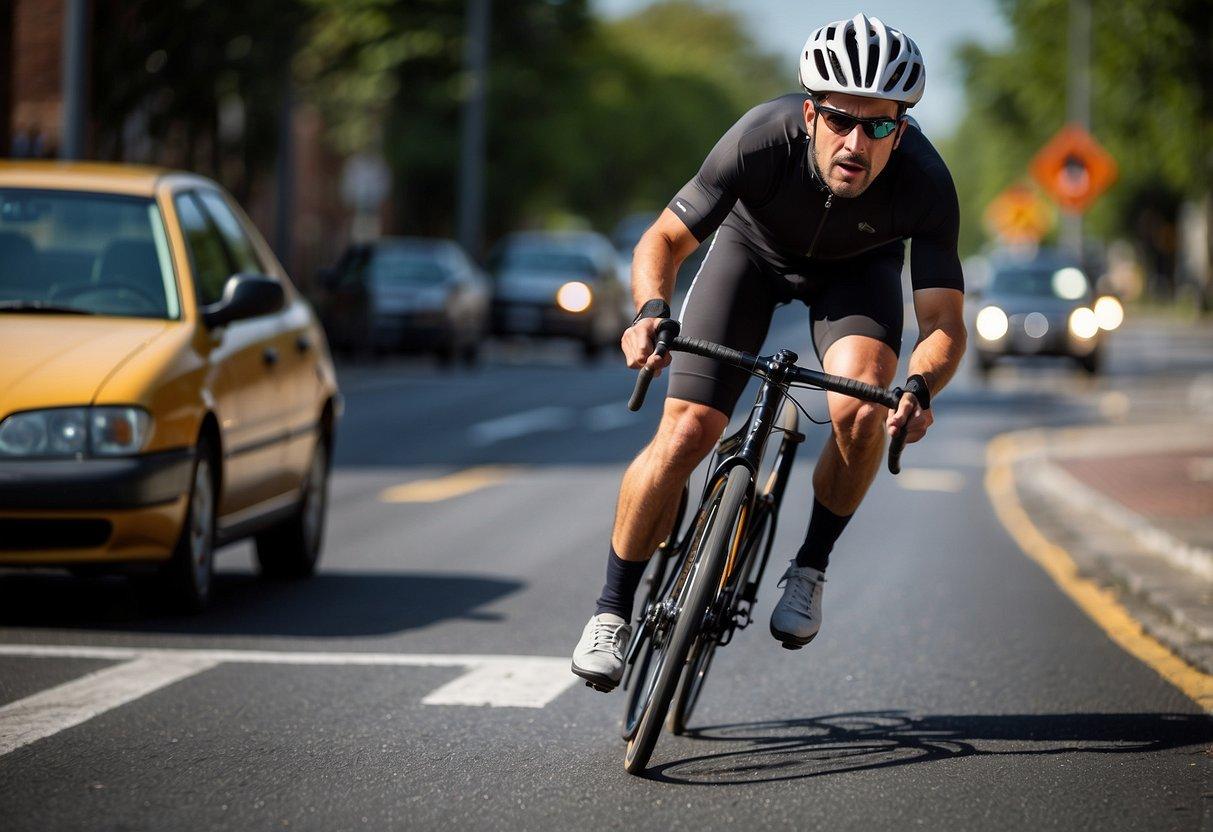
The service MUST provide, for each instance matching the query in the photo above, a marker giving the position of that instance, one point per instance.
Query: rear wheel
(291, 549)
(188, 573)
(665, 657)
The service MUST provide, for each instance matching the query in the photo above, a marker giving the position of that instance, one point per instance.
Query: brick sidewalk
(1171, 490)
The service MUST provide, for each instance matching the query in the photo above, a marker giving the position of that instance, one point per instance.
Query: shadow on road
(332, 604)
(766, 752)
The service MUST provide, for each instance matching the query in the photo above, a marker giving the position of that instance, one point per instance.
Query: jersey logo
(680, 205)
(863, 226)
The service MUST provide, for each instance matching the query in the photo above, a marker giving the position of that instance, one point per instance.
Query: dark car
(1043, 306)
(559, 284)
(401, 293)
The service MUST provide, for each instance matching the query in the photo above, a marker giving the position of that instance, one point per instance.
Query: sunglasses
(880, 127)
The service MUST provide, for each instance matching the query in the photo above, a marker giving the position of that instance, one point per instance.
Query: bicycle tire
(703, 582)
(704, 649)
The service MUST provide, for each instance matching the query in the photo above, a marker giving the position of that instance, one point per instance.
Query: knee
(687, 434)
(858, 422)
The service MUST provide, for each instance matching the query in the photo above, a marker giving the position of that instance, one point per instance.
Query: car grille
(21, 534)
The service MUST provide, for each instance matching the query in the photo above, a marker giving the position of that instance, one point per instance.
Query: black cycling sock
(619, 591)
(824, 528)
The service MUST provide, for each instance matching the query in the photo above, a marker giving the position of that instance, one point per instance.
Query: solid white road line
(610, 416)
(51, 711)
(930, 479)
(521, 424)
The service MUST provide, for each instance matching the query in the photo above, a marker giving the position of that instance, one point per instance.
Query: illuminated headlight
(74, 431)
(574, 296)
(1109, 313)
(1083, 323)
(992, 323)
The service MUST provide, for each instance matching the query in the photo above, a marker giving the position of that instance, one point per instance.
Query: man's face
(849, 163)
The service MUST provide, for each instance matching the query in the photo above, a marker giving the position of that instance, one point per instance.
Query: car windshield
(559, 261)
(1067, 283)
(86, 253)
(406, 268)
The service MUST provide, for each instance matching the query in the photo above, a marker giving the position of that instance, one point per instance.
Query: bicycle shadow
(768, 752)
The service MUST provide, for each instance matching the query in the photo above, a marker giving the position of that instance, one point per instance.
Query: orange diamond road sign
(1019, 215)
(1074, 169)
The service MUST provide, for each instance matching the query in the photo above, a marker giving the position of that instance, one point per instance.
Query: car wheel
(291, 548)
(470, 354)
(1091, 363)
(189, 572)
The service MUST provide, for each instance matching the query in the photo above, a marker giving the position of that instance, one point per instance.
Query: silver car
(1045, 306)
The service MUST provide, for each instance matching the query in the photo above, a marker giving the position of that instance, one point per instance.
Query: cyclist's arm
(657, 257)
(941, 335)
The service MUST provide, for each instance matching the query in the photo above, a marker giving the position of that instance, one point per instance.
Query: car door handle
(303, 343)
(270, 356)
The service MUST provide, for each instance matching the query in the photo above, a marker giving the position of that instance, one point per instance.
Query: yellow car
(164, 389)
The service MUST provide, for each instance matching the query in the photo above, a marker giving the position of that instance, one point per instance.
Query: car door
(243, 374)
(294, 342)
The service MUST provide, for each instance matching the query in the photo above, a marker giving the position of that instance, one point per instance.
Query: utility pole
(1078, 101)
(472, 138)
(75, 29)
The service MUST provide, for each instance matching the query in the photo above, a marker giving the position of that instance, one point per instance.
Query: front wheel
(188, 574)
(291, 549)
(691, 598)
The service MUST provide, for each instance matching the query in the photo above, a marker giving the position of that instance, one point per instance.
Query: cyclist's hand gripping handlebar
(899, 440)
(667, 331)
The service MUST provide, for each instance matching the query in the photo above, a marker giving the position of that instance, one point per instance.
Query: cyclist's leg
(857, 315)
(857, 322)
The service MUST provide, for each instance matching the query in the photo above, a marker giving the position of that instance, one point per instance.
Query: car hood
(534, 286)
(1023, 304)
(62, 360)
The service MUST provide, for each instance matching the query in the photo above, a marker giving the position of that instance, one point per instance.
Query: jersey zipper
(820, 225)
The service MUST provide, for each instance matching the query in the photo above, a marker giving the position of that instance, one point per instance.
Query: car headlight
(574, 296)
(74, 431)
(1083, 323)
(1109, 313)
(992, 323)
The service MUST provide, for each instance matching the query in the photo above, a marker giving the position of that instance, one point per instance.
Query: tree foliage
(1151, 97)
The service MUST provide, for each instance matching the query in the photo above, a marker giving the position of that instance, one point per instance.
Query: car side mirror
(245, 296)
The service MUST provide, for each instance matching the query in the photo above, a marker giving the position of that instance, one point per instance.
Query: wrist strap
(917, 385)
(655, 308)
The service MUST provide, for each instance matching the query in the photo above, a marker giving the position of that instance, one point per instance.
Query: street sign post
(1074, 169)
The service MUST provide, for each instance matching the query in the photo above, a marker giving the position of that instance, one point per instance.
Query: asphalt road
(952, 686)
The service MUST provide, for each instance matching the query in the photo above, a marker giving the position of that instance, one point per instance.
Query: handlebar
(668, 339)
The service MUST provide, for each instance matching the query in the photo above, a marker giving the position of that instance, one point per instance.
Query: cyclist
(811, 197)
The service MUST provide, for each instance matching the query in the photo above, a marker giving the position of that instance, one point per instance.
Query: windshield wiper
(40, 307)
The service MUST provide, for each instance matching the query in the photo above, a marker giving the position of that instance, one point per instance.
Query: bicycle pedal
(602, 688)
(788, 645)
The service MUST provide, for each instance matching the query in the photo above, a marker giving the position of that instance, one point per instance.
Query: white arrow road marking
(521, 424)
(495, 681)
(51, 711)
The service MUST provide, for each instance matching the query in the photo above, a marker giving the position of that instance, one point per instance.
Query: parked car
(558, 284)
(164, 389)
(1044, 306)
(408, 293)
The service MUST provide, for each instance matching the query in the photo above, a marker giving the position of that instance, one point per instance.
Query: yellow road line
(1096, 601)
(444, 488)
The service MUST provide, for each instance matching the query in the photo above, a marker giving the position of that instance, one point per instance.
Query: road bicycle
(702, 585)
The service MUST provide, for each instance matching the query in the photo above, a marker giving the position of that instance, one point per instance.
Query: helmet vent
(873, 60)
(896, 76)
(840, 78)
(894, 50)
(913, 79)
(853, 54)
(821, 63)
(830, 33)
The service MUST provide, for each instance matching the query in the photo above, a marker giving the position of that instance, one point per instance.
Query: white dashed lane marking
(493, 681)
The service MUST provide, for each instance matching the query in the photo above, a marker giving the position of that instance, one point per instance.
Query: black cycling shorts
(735, 294)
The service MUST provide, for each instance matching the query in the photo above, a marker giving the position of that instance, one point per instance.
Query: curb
(1156, 646)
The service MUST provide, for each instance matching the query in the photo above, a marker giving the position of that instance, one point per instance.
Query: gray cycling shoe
(598, 657)
(797, 617)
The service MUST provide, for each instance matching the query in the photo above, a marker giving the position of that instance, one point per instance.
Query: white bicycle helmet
(864, 57)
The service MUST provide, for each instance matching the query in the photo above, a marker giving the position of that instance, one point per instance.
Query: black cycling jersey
(760, 181)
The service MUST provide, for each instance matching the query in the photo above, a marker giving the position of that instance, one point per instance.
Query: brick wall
(37, 66)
